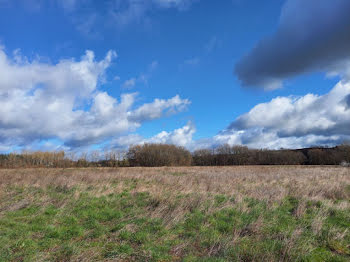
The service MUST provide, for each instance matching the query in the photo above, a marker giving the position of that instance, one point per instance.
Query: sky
(81, 75)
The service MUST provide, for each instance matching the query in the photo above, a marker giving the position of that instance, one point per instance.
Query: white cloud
(284, 122)
(293, 122)
(127, 12)
(68, 5)
(159, 107)
(130, 83)
(88, 18)
(41, 101)
(118, 13)
(212, 44)
(153, 66)
(142, 78)
(180, 137)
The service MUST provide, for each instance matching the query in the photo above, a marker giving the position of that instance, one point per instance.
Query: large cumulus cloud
(63, 101)
(293, 122)
(313, 35)
(180, 137)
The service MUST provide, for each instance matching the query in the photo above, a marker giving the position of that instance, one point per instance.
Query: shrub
(158, 155)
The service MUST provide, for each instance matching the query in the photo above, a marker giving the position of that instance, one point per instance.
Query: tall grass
(175, 214)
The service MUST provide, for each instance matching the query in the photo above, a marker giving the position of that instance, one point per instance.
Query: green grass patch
(68, 224)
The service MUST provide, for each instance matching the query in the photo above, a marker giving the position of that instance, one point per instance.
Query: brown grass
(196, 184)
(271, 183)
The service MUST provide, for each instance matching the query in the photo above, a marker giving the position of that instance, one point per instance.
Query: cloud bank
(313, 35)
(284, 122)
(181, 137)
(294, 122)
(41, 101)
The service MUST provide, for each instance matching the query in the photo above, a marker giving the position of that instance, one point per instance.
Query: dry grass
(184, 197)
(271, 183)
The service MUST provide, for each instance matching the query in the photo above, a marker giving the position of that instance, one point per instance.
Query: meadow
(240, 213)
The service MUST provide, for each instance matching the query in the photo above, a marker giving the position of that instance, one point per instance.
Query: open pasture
(250, 213)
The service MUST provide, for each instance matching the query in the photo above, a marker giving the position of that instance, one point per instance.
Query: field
(252, 213)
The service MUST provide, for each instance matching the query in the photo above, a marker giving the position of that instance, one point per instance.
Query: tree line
(240, 155)
(149, 155)
(62, 159)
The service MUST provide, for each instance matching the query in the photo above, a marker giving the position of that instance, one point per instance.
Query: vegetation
(241, 155)
(159, 155)
(61, 159)
(170, 155)
(175, 214)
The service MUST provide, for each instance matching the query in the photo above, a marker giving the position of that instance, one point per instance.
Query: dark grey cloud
(347, 102)
(313, 35)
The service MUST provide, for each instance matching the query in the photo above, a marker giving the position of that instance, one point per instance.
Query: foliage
(171, 155)
(71, 224)
(240, 155)
(159, 155)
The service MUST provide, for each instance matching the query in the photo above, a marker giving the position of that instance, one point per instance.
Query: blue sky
(218, 61)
